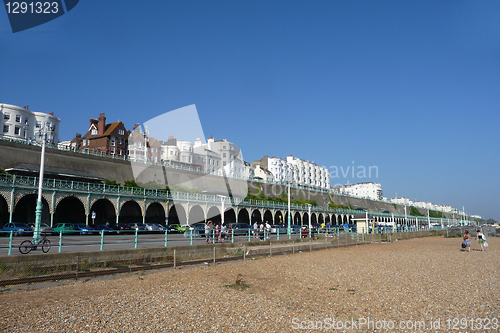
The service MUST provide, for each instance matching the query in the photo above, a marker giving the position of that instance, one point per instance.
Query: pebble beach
(428, 283)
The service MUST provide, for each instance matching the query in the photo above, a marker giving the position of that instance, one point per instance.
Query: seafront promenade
(411, 283)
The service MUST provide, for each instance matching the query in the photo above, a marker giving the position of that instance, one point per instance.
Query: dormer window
(94, 131)
(121, 132)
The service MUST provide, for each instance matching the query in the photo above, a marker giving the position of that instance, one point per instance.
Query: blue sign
(31, 13)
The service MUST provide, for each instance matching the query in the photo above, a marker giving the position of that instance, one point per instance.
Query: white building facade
(368, 190)
(296, 171)
(23, 124)
(220, 157)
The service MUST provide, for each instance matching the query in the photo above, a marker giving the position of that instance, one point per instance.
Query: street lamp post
(45, 132)
(222, 199)
(309, 208)
(406, 218)
(289, 217)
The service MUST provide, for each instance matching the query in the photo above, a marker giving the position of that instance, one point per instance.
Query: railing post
(60, 241)
(136, 232)
(191, 237)
(278, 233)
(232, 235)
(166, 232)
(10, 242)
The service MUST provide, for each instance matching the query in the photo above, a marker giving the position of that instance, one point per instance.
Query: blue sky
(411, 87)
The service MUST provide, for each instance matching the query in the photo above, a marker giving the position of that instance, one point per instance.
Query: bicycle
(27, 246)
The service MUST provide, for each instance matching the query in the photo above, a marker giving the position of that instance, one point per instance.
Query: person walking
(480, 239)
(261, 231)
(207, 230)
(217, 234)
(467, 240)
(222, 232)
(211, 233)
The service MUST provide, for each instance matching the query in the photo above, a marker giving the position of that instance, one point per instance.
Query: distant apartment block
(295, 171)
(23, 124)
(425, 205)
(220, 157)
(364, 190)
(142, 148)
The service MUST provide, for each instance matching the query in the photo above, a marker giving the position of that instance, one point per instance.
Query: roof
(108, 129)
(34, 170)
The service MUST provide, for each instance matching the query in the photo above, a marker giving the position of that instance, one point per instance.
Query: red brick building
(104, 138)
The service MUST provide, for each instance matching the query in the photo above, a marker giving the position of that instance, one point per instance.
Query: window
(6, 116)
(183, 147)
(38, 124)
(94, 131)
(119, 141)
(224, 155)
(5, 128)
(121, 132)
(183, 158)
(223, 147)
(112, 150)
(18, 118)
(119, 151)
(113, 142)
(171, 152)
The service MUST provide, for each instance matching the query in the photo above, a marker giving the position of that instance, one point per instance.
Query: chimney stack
(102, 124)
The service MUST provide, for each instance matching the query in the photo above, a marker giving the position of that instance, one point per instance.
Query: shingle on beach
(424, 279)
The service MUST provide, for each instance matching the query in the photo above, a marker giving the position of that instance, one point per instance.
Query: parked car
(66, 228)
(239, 228)
(170, 228)
(102, 227)
(153, 227)
(45, 229)
(84, 229)
(179, 228)
(138, 226)
(197, 231)
(295, 228)
(275, 228)
(19, 229)
(123, 228)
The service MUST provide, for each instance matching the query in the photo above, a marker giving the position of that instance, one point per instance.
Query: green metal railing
(107, 240)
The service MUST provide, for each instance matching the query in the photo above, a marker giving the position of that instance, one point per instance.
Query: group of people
(215, 233)
(468, 239)
(261, 230)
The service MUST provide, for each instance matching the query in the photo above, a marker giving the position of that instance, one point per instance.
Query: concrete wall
(12, 154)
